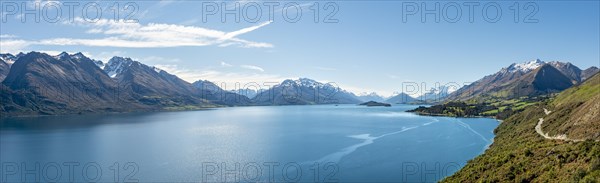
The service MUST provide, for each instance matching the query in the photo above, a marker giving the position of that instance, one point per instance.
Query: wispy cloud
(229, 79)
(12, 46)
(7, 36)
(252, 67)
(225, 64)
(135, 35)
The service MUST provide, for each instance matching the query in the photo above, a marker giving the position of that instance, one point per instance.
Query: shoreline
(443, 115)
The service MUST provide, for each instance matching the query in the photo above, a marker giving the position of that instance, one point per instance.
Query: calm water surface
(321, 143)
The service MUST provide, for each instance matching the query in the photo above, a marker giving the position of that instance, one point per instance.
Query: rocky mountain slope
(62, 84)
(150, 85)
(4, 69)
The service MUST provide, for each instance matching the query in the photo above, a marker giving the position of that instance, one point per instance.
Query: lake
(317, 143)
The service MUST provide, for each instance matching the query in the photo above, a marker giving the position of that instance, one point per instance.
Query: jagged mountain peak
(76, 57)
(305, 82)
(61, 56)
(9, 58)
(525, 66)
(116, 65)
(304, 91)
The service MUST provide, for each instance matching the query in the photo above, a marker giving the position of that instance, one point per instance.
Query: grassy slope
(519, 154)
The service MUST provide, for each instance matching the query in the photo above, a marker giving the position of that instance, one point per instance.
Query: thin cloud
(225, 64)
(252, 67)
(12, 46)
(135, 35)
(7, 36)
(229, 79)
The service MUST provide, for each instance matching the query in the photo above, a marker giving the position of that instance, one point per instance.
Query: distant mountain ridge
(213, 93)
(365, 97)
(435, 95)
(401, 98)
(304, 91)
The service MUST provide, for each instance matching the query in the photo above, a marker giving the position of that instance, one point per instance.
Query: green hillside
(520, 154)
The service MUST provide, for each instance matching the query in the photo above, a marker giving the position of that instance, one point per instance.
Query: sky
(362, 46)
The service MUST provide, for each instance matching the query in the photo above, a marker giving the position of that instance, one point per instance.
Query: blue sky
(369, 48)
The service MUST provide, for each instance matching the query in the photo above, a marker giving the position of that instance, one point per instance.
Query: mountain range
(37, 83)
(304, 91)
(401, 98)
(365, 97)
(525, 79)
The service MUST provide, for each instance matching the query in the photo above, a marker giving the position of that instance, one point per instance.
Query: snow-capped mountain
(400, 98)
(524, 79)
(365, 97)
(524, 67)
(304, 82)
(9, 58)
(116, 66)
(435, 94)
(63, 55)
(100, 64)
(304, 91)
(69, 84)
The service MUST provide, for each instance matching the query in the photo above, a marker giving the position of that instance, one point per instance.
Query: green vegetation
(492, 107)
(519, 154)
(186, 108)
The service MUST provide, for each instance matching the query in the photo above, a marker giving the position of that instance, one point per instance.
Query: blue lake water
(319, 143)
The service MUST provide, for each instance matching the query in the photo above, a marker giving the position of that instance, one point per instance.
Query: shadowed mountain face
(213, 93)
(149, 85)
(304, 91)
(571, 71)
(6, 60)
(61, 84)
(525, 79)
(4, 69)
(545, 79)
